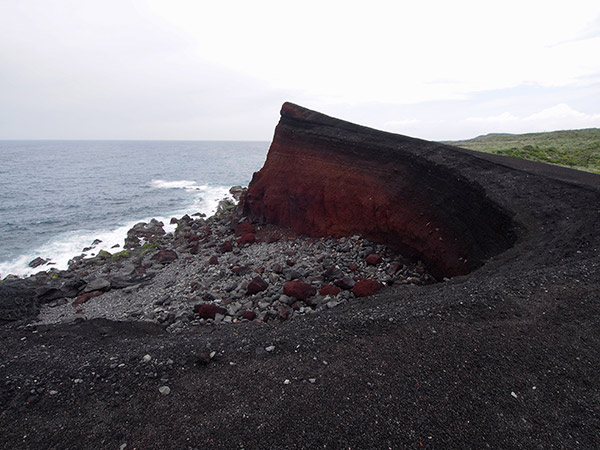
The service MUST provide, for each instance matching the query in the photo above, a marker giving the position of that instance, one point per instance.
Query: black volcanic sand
(505, 357)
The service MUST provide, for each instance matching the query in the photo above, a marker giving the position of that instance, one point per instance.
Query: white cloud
(499, 119)
(557, 117)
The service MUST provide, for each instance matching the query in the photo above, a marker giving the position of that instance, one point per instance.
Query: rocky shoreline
(220, 269)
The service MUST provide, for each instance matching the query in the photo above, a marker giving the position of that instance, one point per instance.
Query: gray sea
(57, 197)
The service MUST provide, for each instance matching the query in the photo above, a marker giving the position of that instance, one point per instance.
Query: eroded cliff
(325, 176)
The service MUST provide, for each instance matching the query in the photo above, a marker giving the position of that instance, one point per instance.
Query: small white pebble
(270, 348)
(513, 394)
(147, 358)
(164, 390)
(312, 380)
(286, 381)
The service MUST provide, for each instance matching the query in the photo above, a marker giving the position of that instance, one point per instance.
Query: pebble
(270, 348)
(164, 390)
(147, 358)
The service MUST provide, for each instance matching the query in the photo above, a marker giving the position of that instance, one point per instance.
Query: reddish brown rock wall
(324, 176)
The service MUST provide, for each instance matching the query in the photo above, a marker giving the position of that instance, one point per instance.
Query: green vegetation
(124, 254)
(104, 254)
(148, 247)
(578, 149)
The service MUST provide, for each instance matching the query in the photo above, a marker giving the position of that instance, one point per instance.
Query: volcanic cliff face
(324, 176)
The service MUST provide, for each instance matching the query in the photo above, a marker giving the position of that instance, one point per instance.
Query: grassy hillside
(578, 149)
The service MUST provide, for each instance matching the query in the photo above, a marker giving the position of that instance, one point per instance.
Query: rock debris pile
(221, 270)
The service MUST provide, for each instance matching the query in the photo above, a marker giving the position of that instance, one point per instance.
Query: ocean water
(57, 197)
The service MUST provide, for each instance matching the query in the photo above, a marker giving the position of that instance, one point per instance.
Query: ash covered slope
(324, 176)
(503, 357)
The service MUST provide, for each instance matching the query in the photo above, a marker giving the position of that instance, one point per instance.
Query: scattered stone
(164, 390)
(329, 290)
(345, 283)
(248, 238)
(332, 304)
(147, 358)
(373, 259)
(226, 246)
(213, 261)
(364, 288)
(165, 256)
(256, 285)
(208, 310)
(299, 290)
(249, 315)
(270, 348)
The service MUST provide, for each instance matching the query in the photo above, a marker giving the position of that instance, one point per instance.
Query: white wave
(68, 245)
(177, 184)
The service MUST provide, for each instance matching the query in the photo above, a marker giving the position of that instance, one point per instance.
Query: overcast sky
(221, 69)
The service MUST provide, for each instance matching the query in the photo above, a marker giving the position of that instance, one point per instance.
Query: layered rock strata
(328, 177)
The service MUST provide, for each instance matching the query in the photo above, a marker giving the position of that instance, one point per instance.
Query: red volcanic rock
(208, 310)
(213, 260)
(299, 290)
(364, 288)
(330, 290)
(284, 314)
(86, 297)
(373, 259)
(256, 285)
(244, 228)
(226, 246)
(327, 177)
(248, 238)
(165, 256)
(249, 315)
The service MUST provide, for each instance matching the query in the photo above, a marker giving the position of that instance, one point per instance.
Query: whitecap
(176, 184)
